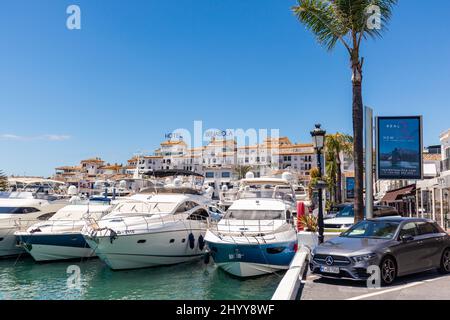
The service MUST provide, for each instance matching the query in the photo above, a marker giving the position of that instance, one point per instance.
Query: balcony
(445, 165)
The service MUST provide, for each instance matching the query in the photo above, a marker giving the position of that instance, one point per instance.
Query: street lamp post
(318, 137)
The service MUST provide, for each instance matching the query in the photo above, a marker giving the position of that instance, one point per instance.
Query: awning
(397, 194)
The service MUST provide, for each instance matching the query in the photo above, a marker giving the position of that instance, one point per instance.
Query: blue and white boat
(60, 238)
(256, 236)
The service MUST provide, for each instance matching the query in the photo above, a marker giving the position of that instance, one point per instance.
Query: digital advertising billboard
(399, 148)
(350, 187)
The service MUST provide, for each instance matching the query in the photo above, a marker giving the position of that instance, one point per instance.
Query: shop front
(432, 199)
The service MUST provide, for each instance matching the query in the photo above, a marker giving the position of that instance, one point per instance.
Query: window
(409, 229)
(17, 210)
(209, 174)
(426, 228)
(200, 214)
(226, 174)
(186, 206)
(254, 214)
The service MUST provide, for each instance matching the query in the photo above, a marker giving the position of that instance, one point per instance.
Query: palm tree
(314, 177)
(241, 171)
(337, 144)
(348, 22)
(3, 181)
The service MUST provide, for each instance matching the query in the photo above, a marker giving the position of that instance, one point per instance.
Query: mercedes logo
(329, 260)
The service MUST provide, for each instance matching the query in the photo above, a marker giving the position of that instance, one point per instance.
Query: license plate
(328, 269)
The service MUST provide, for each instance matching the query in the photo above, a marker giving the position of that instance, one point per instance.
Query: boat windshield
(144, 207)
(266, 191)
(17, 210)
(372, 229)
(254, 214)
(300, 190)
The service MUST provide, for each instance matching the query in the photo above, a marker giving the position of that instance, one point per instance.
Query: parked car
(399, 246)
(345, 218)
(335, 209)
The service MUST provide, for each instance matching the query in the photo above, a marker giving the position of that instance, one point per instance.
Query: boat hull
(247, 269)
(53, 247)
(248, 260)
(147, 249)
(8, 243)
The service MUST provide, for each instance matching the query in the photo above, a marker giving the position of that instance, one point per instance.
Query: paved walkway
(424, 286)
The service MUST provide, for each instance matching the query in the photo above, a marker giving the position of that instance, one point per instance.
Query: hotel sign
(399, 148)
(173, 135)
(218, 133)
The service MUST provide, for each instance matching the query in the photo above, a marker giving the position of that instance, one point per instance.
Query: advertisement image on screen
(399, 154)
(350, 187)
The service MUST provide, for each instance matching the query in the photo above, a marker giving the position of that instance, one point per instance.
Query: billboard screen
(350, 187)
(399, 148)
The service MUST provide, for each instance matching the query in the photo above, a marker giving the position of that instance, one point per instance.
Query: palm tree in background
(241, 171)
(314, 175)
(348, 22)
(3, 181)
(335, 145)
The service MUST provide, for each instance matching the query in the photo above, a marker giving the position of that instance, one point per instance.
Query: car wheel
(388, 271)
(445, 261)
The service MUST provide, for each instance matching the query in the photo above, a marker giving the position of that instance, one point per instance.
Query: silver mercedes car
(398, 246)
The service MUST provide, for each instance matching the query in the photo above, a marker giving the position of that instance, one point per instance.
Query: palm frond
(320, 17)
(3, 181)
(336, 20)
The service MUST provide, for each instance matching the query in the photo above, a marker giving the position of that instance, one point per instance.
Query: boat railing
(248, 227)
(266, 194)
(190, 220)
(17, 224)
(62, 225)
(228, 196)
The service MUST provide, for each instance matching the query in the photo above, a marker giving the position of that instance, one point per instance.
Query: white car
(346, 217)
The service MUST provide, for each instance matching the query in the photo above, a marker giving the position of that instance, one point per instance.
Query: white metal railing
(23, 225)
(147, 222)
(230, 227)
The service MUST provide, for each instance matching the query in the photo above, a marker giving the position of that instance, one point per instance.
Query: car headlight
(365, 257)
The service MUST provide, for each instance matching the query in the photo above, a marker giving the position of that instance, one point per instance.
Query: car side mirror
(407, 238)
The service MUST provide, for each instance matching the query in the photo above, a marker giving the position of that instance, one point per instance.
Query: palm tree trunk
(358, 151)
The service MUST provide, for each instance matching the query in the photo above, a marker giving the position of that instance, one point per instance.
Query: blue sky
(139, 69)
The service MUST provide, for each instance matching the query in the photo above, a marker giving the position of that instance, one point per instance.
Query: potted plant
(308, 237)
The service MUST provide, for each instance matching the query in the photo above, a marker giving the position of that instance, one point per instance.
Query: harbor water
(24, 279)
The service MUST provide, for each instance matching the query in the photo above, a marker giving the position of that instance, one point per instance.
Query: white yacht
(59, 238)
(21, 209)
(256, 236)
(162, 225)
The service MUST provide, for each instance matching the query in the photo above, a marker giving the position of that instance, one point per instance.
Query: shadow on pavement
(427, 275)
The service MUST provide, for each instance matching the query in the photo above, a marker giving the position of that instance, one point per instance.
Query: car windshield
(346, 211)
(254, 214)
(372, 229)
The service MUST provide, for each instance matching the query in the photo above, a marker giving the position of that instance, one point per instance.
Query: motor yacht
(60, 238)
(256, 236)
(21, 209)
(162, 225)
